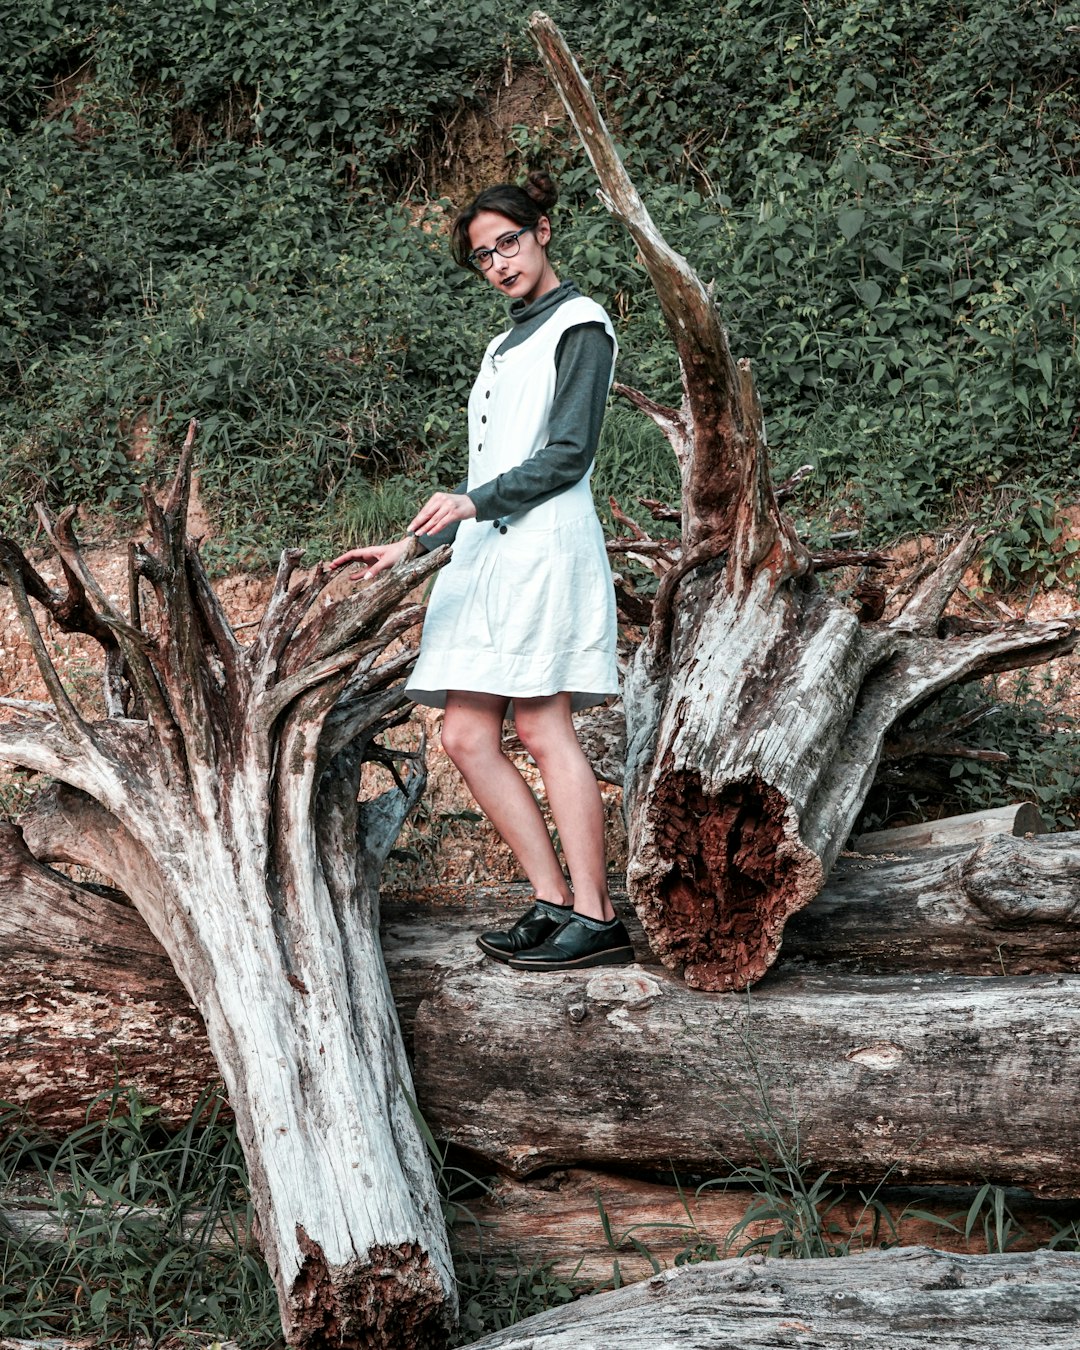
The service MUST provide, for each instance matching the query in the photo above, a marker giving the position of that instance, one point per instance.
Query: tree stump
(219, 793)
(756, 705)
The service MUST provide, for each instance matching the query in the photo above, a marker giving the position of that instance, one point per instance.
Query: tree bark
(87, 994)
(595, 1228)
(220, 795)
(908, 1299)
(922, 1079)
(756, 706)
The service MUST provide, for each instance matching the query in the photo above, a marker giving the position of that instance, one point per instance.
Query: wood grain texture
(908, 1299)
(918, 1079)
(219, 793)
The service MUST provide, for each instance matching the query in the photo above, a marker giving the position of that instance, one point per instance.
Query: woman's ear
(543, 230)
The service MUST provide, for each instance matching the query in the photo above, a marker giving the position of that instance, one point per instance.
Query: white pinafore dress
(525, 607)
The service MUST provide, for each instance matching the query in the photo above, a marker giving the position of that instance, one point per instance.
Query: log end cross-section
(391, 1297)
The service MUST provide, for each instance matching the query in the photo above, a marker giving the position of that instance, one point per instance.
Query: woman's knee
(471, 733)
(544, 727)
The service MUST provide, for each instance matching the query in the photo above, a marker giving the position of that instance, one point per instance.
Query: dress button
(479, 448)
(487, 394)
(502, 529)
(495, 524)
(484, 418)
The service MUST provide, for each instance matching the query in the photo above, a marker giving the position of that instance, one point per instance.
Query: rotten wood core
(391, 1297)
(726, 888)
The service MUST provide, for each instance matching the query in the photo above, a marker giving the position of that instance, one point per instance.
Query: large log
(757, 705)
(597, 1229)
(219, 793)
(920, 1079)
(908, 1299)
(87, 993)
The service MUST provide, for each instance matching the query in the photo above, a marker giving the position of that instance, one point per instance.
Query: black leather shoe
(574, 945)
(532, 928)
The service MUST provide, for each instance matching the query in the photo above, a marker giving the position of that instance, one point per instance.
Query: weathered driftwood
(87, 994)
(911, 1298)
(597, 1229)
(1021, 818)
(911, 1080)
(757, 706)
(219, 793)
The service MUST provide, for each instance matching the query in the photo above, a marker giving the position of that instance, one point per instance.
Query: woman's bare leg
(547, 732)
(472, 737)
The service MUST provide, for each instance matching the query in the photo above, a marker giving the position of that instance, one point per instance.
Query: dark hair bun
(542, 190)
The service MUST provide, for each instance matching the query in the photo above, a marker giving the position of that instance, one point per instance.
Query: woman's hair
(523, 205)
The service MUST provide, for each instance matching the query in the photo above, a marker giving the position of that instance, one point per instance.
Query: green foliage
(151, 1231)
(233, 210)
(1019, 717)
(147, 1235)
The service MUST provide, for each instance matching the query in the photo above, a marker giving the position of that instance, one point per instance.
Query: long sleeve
(583, 375)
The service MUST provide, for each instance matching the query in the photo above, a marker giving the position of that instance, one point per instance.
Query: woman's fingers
(380, 557)
(355, 555)
(440, 510)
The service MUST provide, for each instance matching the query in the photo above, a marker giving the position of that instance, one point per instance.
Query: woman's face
(528, 274)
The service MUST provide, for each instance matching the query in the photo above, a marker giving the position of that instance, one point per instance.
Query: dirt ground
(448, 844)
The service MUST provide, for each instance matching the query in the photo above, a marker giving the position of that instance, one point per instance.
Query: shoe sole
(504, 957)
(618, 956)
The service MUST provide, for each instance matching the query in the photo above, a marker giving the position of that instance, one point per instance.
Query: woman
(524, 613)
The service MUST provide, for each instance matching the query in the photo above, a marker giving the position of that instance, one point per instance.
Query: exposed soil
(448, 844)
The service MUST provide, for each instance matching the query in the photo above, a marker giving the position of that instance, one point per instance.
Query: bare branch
(787, 489)
(68, 715)
(924, 609)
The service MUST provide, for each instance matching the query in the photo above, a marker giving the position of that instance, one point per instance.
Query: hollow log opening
(728, 888)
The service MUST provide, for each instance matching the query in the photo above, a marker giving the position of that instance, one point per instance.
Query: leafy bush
(234, 210)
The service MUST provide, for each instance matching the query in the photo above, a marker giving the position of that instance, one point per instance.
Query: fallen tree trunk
(598, 1229)
(908, 1299)
(1007, 906)
(912, 1080)
(219, 793)
(86, 992)
(757, 706)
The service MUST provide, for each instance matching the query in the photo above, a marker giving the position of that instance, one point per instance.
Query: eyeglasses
(506, 247)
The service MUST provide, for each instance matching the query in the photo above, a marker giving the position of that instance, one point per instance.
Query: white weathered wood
(221, 797)
(908, 1299)
(1020, 818)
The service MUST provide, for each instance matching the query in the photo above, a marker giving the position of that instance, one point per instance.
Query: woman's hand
(381, 557)
(440, 510)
